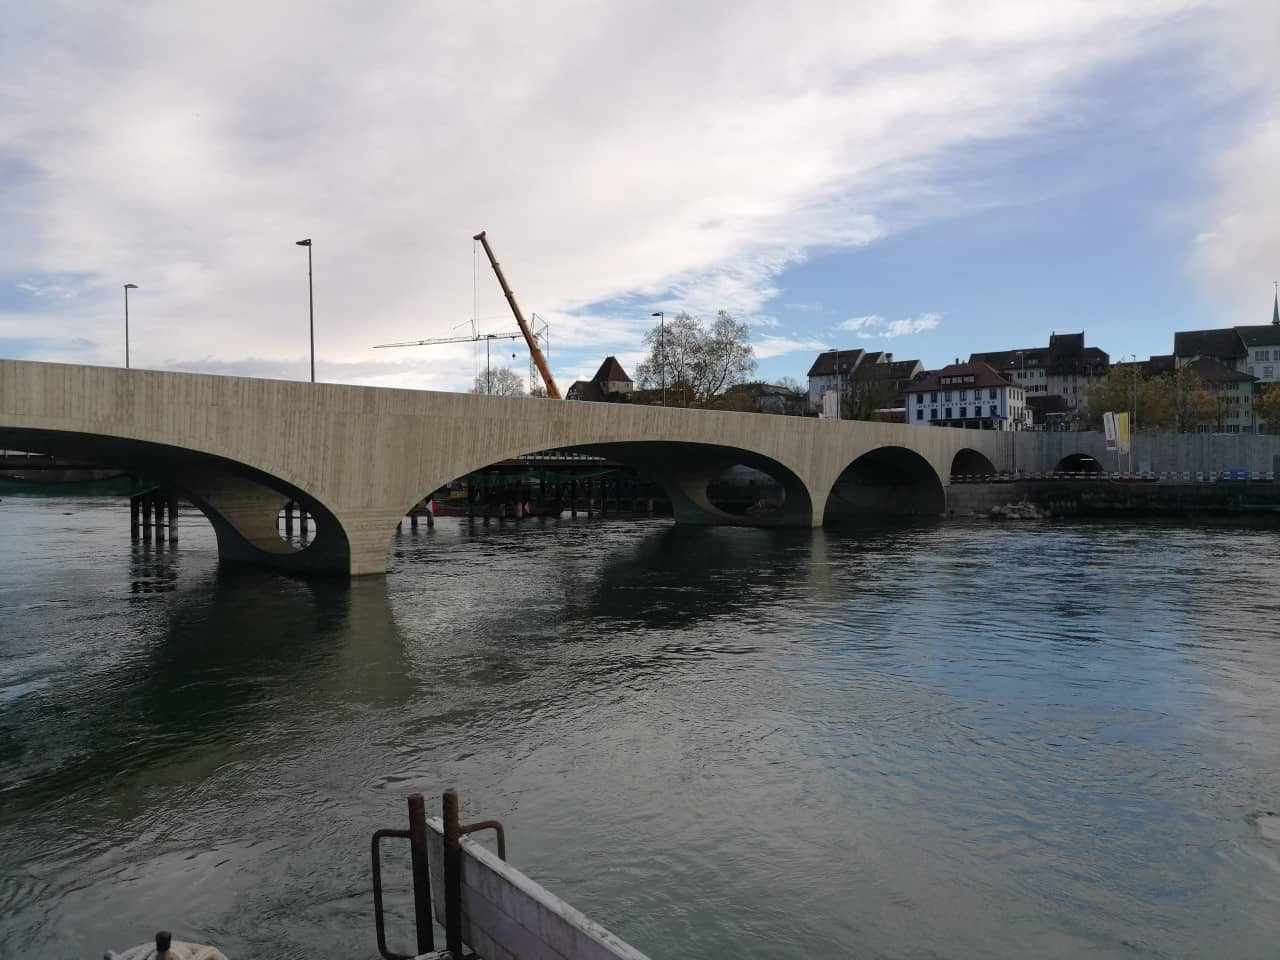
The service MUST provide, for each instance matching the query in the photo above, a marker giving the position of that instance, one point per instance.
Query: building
(765, 398)
(973, 395)
(610, 384)
(873, 379)
(1066, 368)
(831, 371)
(1235, 362)
(1232, 392)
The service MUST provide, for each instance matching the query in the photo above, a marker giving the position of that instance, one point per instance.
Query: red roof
(983, 376)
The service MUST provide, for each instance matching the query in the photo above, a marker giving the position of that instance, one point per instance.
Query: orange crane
(552, 390)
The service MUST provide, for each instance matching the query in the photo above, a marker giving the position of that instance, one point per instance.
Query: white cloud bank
(689, 154)
(870, 327)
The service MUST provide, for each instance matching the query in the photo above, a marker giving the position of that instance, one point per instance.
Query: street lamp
(311, 302)
(662, 351)
(127, 288)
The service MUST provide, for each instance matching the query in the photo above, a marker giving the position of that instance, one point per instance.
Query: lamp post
(662, 351)
(127, 288)
(311, 304)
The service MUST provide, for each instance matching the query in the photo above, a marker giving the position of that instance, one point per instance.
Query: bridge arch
(241, 502)
(889, 481)
(685, 471)
(969, 462)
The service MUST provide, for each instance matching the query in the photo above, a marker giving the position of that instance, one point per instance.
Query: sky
(925, 178)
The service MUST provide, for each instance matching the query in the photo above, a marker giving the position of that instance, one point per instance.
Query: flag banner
(1122, 433)
(1109, 425)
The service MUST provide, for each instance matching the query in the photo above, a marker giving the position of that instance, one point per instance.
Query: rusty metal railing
(454, 831)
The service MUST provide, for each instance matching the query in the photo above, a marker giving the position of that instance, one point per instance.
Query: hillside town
(1221, 380)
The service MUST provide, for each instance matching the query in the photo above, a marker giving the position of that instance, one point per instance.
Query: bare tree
(499, 382)
(696, 363)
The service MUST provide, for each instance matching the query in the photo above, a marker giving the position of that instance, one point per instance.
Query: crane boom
(429, 343)
(552, 390)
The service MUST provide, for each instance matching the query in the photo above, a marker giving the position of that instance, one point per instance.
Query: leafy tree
(1267, 406)
(868, 392)
(1194, 401)
(697, 363)
(499, 382)
(1178, 401)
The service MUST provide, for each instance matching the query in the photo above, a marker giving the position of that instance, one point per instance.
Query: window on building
(933, 396)
(946, 394)
(920, 413)
(1251, 370)
(964, 394)
(1263, 355)
(995, 410)
(919, 398)
(991, 394)
(1268, 373)
(948, 416)
(964, 412)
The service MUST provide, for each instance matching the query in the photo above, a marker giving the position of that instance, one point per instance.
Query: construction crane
(534, 352)
(474, 338)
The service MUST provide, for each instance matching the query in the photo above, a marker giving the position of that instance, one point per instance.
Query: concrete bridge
(358, 458)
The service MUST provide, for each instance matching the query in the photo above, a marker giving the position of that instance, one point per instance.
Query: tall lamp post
(662, 351)
(127, 288)
(311, 304)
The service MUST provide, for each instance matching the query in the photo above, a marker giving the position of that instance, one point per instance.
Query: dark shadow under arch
(685, 471)
(240, 501)
(886, 483)
(969, 462)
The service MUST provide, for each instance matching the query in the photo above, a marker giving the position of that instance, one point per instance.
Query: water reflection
(930, 740)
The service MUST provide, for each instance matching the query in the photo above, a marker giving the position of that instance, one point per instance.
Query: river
(952, 740)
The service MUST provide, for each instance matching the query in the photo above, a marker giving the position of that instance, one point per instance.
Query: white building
(969, 395)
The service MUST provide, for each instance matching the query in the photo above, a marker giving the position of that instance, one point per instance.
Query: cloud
(1236, 250)
(185, 149)
(873, 326)
(769, 346)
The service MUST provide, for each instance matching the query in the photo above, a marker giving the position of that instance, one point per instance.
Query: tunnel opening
(888, 484)
(970, 463)
(1078, 463)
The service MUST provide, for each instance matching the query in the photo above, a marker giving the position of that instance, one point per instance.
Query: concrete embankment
(1233, 501)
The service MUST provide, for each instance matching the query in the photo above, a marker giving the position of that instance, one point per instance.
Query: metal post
(127, 288)
(662, 351)
(452, 874)
(421, 875)
(311, 306)
(311, 313)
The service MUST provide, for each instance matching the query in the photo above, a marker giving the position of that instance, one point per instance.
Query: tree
(868, 392)
(1194, 403)
(792, 384)
(1267, 406)
(696, 363)
(499, 382)
(1179, 401)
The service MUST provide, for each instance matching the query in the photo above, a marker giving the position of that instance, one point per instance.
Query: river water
(958, 740)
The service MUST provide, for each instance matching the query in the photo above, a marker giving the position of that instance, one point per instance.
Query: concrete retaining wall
(1166, 452)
